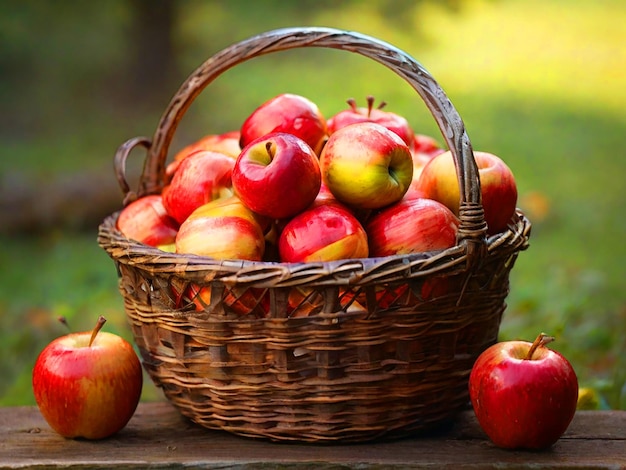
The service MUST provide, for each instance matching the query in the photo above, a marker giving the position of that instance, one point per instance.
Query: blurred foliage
(538, 82)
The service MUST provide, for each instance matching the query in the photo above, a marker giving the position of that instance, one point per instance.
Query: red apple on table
(201, 177)
(286, 113)
(524, 394)
(277, 175)
(392, 121)
(411, 226)
(147, 221)
(438, 181)
(226, 143)
(87, 385)
(366, 166)
(325, 232)
(222, 229)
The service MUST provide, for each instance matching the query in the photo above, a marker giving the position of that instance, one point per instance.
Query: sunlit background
(541, 83)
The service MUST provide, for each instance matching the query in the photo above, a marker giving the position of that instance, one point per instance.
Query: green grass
(539, 83)
(63, 275)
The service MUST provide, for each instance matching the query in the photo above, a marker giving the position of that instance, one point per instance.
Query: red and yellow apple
(223, 229)
(366, 166)
(277, 175)
(147, 221)
(226, 143)
(201, 177)
(392, 121)
(438, 181)
(411, 226)
(325, 232)
(88, 384)
(286, 113)
(524, 394)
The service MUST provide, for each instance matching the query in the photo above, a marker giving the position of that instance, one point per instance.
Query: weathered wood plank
(158, 437)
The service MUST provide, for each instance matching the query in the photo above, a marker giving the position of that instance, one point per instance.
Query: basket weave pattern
(350, 350)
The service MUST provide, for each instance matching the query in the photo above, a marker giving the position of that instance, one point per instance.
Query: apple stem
(540, 341)
(98, 327)
(370, 104)
(64, 322)
(352, 103)
(270, 150)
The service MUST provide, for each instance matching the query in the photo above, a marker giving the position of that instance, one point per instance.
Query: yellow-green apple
(88, 384)
(277, 175)
(325, 232)
(223, 229)
(392, 121)
(411, 226)
(524, 394)
(366, 166)
(288, 113)
(201, 177)
(438, 181)
(147, 221)
(226, 143)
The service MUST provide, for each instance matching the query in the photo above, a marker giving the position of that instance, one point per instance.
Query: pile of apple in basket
(293, 186)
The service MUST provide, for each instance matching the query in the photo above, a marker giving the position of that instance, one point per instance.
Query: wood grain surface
(159, 437)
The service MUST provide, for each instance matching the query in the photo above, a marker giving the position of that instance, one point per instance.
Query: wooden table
(158, 437)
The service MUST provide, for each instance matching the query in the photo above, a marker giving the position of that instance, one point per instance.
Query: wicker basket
(343, 351)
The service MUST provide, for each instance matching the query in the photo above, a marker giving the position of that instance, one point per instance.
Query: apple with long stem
(524, 394)
(88, 384)
(392, 121)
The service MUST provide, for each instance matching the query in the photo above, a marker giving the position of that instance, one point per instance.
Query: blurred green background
(542, 83)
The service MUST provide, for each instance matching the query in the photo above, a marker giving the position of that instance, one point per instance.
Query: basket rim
(344, 272)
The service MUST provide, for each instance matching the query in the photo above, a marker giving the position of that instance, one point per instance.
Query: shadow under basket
(343, 351)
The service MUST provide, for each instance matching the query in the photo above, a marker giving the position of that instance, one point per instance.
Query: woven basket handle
(473, 226)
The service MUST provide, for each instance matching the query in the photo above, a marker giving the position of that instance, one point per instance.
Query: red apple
(524, 394)
(277, 175)
(392, 121)
(87, 385)
(223, 229)
(411, 226)
(201, 177)
(438, 181)
(325, 232)
(147, 221)
(226, 143)
(286, 113)
(366, 166)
